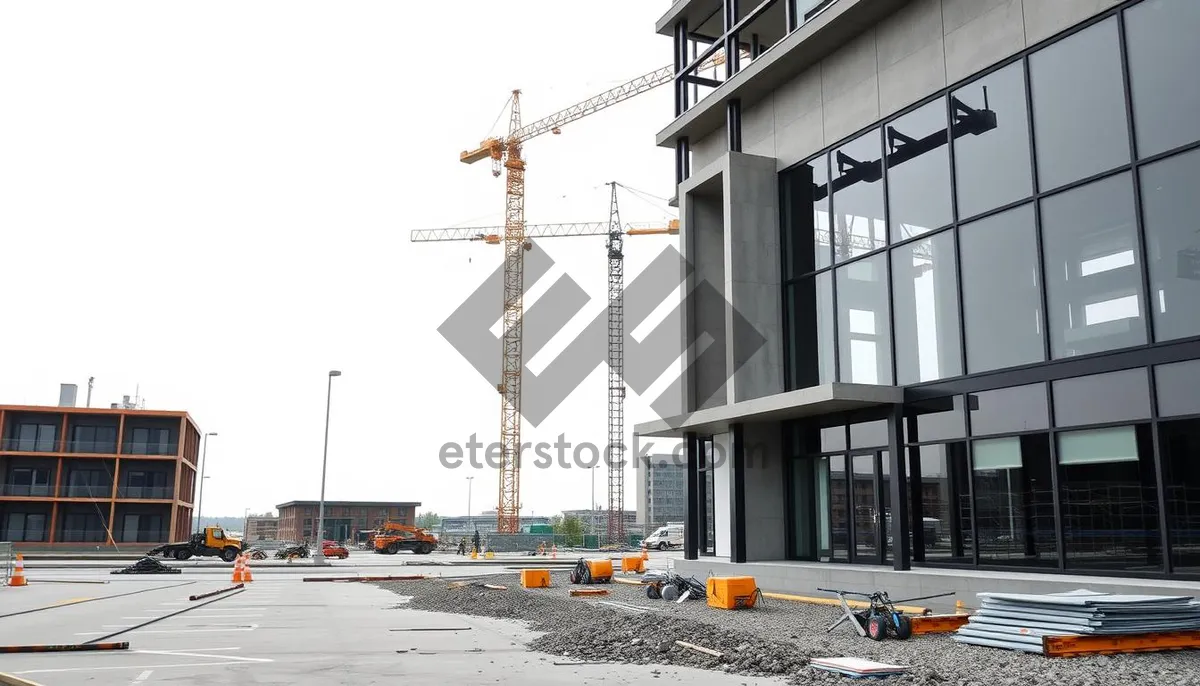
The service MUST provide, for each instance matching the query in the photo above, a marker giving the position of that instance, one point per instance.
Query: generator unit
(592, 572)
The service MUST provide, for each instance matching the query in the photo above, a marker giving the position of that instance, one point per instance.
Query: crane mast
(508, 510)
(616, 373)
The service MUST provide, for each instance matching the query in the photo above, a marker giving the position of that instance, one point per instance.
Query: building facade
(298, 519)
(965, 232)
(661, 491)
(264, 527)
(483, 523)
(596, 521)
(75, 476)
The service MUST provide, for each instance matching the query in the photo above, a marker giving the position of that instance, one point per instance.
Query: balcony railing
(145, 492)
(29, 445)
(133, 448)
(102, 447)
(101, 491)
(82, 536)
(41, 491)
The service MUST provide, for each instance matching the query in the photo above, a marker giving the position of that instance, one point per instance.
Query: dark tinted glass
(864, 341)
(918, 168)
(806, 218)
(1109, 499)
(925, 296)
(858, 197)
(1102, 398)
(839, 510)
(1009, 410)
(1079, 119)
(1160, 38)
(1093, 268)
(991, 142)
(810, 331)
(938, 419)
(1170, 205)
(1178, 444)
(1177, 385)
(1001, 296)
(945, 505)
(1014, 501)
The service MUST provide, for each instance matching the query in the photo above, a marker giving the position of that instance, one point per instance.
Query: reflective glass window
(1009, 410)
(1102, 398)
(938, 419)
(1179, 444)
(811, 344)
(945, 504)
(1093, 268)
(864, 341)
(1001, 293)
(1177, 385)
(925, 296)
(1160, 39)
(858, 222)
(1014, 501)
(991, 141)
(1170, 206)
(918, 169)
(806, 217)
(1078, 95)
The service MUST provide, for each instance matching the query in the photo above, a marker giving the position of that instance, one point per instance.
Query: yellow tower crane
(506, 153)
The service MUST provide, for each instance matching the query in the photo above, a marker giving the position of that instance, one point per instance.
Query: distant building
(100, 476)
(661, 491)
(596, 521)
(264, 527)
(485, 523)
(343, 518)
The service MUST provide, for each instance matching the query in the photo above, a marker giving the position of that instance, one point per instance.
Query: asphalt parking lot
(278, 630)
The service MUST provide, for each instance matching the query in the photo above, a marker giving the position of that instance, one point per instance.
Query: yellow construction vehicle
(213, 542)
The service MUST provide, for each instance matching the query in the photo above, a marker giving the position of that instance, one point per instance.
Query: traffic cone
(238, 575)
(554, 551)
(247, 577)
(18, 577)
(645, 554)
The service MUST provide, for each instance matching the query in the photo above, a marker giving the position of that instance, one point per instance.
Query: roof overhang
(806, 402)
(823, 34)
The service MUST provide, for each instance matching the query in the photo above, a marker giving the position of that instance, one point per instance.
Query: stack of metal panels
(1019, 621)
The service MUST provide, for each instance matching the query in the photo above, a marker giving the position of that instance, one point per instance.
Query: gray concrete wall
(752, 284)
(765, 500)
(805, 578)
(923, 47)
(704, 241)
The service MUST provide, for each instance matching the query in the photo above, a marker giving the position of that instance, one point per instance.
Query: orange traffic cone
(247, 577)
(645, 554)
(554, 552)
(18, 577)
(238, 574)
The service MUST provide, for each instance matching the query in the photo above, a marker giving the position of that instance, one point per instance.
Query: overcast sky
(211, 202)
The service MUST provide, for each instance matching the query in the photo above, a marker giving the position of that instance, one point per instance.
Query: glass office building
(1015, 257)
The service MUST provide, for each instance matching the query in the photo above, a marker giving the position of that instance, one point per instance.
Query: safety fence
(513, 543)
(7, 560)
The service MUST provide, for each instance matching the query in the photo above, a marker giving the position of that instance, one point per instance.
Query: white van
(669, 536)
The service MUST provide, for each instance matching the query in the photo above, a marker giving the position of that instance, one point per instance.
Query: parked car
(334, 549)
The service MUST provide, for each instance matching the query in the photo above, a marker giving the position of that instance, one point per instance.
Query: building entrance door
(870, 498)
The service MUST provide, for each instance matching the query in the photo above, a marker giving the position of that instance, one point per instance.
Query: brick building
(343, 518)
(264, 527)
(71, 475)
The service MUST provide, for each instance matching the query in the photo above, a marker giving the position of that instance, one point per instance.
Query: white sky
(213, 200)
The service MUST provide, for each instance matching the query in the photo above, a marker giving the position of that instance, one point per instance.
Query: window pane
(918, 168)
(1001, 297)
(833, 438)
(839, 508)
(1170, 206)
(810, 331)
(858, 197)
(806, 217)
(1093, 272)
(991, 142)
(1177, 386)
(1009, 410)
(1160, 37)
(925, 295)
(864, 342)
(1179, 443)
(1079, 106)
(869, 434)
(1109, 499)
(945, 502)
(1102, 398)
(938, 419)
(1014, 501)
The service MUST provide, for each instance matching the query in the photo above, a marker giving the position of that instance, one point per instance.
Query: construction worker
(462, 546)
(478, 547)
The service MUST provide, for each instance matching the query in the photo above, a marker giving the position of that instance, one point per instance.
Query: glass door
(864, 495)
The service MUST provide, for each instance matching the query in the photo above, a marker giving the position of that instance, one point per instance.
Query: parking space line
(232, 658)
(143, 676)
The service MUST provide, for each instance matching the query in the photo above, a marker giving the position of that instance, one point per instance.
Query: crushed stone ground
(777, 638)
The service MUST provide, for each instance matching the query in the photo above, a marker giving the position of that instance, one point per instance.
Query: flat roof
(343, 503)
(111, 411)
(806, 402)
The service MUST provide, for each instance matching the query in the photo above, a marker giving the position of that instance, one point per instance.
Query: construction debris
(700, 649)
(588, 591)
(856, 667)
(147, 565)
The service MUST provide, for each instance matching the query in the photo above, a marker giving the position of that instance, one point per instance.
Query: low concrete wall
(805, 578)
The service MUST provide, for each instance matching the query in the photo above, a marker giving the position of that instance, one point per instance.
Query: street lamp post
(469, 480)
(203, 465)
(319, 555)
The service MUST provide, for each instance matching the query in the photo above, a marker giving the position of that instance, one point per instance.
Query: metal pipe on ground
(219, 591)
(64, 647)
(856, 604)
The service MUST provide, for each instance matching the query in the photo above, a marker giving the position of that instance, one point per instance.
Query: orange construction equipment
(938, 624)
(392, 537)
(247, 577)
(535, 578)
(238, 575)
(731, 592)
(633, 563)
(1077, 646)
(18, 577)
(598, 571)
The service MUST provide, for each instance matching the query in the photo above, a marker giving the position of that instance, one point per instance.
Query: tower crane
(505, 153)
(615, 256)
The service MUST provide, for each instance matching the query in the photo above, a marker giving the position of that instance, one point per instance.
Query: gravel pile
(777, 638)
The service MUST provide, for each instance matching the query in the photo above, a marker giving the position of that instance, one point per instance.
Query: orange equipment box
(535, 578)
(601, 570)
(731, 592)
(633, 563)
